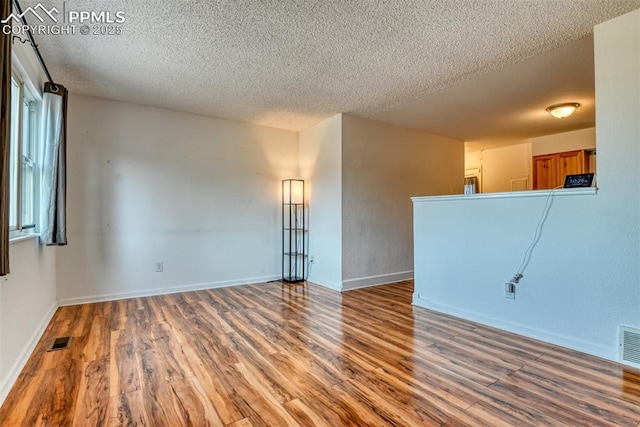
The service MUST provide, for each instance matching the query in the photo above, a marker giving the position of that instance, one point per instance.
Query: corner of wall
(320, 162)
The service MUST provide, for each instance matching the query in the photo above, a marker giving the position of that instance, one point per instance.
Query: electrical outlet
(159, 266)
(510, 290)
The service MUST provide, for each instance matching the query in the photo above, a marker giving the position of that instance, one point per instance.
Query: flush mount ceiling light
(561, 111)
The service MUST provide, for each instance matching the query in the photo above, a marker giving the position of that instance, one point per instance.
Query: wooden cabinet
(545, 171)
(550, 170)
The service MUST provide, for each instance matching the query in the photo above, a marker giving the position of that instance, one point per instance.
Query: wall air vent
(60, 343)
(630, 346)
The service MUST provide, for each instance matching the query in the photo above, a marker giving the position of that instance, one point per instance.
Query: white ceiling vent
(630, 345)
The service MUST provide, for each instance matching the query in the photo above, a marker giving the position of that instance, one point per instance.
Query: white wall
(583, 279)
(384, 165)
(27, 303)
(28, 294)
(145, 185)
(321, 167)
(500, 165)
(583, 139)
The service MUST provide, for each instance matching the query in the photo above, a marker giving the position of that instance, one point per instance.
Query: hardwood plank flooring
(275, 355)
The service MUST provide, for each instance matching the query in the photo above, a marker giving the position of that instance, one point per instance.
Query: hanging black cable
(16, 5)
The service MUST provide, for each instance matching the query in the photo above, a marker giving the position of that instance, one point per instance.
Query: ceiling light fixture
(560, 111)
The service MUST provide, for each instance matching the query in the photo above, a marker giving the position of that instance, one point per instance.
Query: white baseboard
(334, 286)
(539, 334)
(382, 279)
(19, 364)
(164, 291)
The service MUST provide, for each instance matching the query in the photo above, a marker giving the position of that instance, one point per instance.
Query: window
(23, 168)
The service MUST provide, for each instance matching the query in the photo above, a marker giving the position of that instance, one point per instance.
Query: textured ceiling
(508, 105)
(290, 64)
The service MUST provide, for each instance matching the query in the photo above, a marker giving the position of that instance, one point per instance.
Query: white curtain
(54, 168)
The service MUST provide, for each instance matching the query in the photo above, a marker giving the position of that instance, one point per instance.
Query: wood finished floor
(273, 355)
